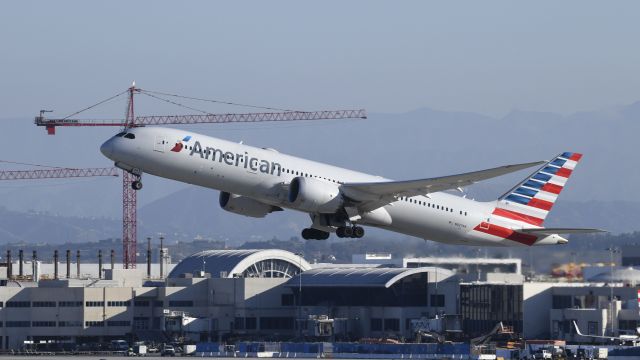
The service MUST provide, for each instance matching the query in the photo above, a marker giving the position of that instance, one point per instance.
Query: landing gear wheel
(340, 232)
(136, 185)
(314, 234)
(348, 232)
(358, 231)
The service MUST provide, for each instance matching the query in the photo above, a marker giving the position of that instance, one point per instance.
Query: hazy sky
(482, 56)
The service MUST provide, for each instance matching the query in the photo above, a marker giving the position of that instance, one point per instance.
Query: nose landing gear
(136, 184)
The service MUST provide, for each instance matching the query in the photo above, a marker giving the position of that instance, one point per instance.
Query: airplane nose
(107, 148)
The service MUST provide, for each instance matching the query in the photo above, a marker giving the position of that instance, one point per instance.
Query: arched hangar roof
(363, 277)
(242, 263)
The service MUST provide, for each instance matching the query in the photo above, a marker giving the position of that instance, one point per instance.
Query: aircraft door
(159, 144)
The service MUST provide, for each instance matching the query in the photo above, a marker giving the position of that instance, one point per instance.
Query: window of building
(18, 304)
(158, 303)
(18, 323)
(250, 323)
(44, 304)
(376, 324)
(287, 300)
(69, 323)
(118, 303)
(70, 303)
(437, 300)
(180, 303)
(238, 323)
(118, 323)
(391, 324)
(141, 303)
(43, 323)
(94, 323)
(94, 304)
(562, 302)
(276, 323)
(592, 328)
(140, 323)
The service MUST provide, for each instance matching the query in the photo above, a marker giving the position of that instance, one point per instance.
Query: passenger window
(130, 136)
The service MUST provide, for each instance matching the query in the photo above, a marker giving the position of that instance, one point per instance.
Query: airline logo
(247, 161)
(178, 146)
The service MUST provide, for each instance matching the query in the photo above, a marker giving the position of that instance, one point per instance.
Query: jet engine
(313, 195)
(246, 206)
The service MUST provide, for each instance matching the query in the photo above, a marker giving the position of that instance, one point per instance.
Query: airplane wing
(551, 231)
(370, 196)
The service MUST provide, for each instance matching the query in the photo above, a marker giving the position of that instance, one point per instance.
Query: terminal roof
(363, 277)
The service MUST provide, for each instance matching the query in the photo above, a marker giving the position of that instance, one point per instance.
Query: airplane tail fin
(529, 202)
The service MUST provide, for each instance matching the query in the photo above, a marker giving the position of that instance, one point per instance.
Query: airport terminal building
(231, 295)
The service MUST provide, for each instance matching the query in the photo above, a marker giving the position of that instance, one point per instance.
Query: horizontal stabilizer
(551, 231)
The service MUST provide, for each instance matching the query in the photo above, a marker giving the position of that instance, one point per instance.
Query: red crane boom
(51, 124)
(56, 173)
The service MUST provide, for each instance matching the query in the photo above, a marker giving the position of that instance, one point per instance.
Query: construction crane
(57, 173)
(129, 198)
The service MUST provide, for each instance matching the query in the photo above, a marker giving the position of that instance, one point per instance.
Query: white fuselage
(264, 174)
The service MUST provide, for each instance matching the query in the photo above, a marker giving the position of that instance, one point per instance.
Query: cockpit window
(130, 136)
(120, 134)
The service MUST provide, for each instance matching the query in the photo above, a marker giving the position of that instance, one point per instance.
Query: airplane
(257, 181)
(632, 339)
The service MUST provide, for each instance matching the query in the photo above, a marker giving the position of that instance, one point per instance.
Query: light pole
(611, 251)
(299, 321)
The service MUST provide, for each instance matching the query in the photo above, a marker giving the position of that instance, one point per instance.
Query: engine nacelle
(313, 195)
(246, 206)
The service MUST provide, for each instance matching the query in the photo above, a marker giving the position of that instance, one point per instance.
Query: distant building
(276, 295)
(473, 269)
(376, 259)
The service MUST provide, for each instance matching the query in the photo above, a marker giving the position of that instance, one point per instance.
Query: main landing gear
(314, 234)
(350, 231)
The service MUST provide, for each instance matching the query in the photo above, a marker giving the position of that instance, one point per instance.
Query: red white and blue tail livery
(530, 201)
(519, 214)
(256, 182)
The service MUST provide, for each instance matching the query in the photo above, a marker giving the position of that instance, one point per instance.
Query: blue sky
(482, 56)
